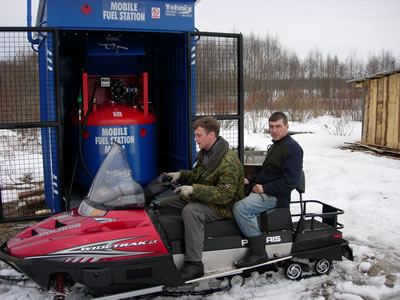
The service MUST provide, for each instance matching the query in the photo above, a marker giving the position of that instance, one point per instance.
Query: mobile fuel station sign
(146, 15)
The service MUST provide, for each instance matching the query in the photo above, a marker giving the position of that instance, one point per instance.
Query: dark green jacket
(281, 170)
(217, 179)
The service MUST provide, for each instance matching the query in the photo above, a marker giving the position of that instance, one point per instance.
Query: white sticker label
(155, 13)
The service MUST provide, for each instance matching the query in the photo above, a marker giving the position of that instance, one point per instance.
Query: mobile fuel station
(120, 71)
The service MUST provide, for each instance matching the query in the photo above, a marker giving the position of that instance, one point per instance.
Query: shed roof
(376, 75)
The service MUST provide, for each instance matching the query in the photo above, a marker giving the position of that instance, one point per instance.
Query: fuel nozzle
(79, 100)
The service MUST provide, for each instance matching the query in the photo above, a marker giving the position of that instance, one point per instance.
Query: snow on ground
(365, 186)
(24, 172)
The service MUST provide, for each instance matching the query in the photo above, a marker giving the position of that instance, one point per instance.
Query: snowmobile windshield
(113, 188)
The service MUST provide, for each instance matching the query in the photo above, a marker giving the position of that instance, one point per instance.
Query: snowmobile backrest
(276, 219)
(301, 186)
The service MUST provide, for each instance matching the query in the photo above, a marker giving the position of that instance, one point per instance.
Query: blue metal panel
(113, 55)
(154, 15)
(49, 134)
(172, 103)
(193, 40)
(105, 45)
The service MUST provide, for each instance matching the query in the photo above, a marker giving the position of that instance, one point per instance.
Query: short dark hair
(209, 124)
(276, 116)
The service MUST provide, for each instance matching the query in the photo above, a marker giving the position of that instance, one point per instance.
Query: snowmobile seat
(172, 222)
(276, 219)
(280, 218)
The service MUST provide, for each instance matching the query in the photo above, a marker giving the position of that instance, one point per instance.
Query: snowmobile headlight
(89, 211)
(97, 212)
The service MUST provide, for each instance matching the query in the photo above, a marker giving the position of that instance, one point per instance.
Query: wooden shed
(381, 115)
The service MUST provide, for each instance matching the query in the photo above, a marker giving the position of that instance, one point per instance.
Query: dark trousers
(195, 216)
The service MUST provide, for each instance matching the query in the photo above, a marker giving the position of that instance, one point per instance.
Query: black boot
(257, 254)
(192, 270)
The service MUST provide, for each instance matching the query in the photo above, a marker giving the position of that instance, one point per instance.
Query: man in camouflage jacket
(210, 191)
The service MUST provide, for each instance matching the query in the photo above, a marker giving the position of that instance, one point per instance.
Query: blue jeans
(247, 209)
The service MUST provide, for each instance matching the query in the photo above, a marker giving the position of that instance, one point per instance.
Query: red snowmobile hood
(118, 234)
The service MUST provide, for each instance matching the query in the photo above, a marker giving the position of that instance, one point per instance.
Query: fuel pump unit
(116, 109)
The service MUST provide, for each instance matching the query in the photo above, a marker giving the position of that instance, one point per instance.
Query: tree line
(270, 67)
(276, 78)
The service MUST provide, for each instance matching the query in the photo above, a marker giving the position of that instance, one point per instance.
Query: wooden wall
(381, 124)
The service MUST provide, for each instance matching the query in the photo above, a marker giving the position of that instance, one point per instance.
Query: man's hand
(185, 190)
(246, 181)
(174, 175)
(258, 188)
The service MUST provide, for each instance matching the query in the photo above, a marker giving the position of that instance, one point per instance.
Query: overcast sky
(341, 27)
(14, 12)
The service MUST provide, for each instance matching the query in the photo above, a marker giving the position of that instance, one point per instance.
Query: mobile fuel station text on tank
(123, 11)
(116, 134)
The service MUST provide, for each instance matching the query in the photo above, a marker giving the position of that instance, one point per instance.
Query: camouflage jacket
(217, 179)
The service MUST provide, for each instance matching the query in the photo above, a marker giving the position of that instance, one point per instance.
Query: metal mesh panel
(21, 172)
(216, 74)
(229, 131)
(28, 133)
(19, 93)
(217, 84)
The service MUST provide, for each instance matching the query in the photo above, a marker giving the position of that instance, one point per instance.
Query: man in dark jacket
(209, 193)
(272, 187)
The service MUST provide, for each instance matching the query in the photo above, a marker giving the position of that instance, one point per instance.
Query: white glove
(174, 175)
(185, 190)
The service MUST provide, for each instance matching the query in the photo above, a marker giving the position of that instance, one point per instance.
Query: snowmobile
(119, 243)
